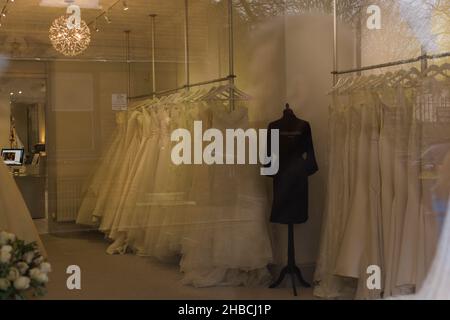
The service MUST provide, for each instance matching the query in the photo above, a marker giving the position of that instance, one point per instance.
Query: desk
(33, 189)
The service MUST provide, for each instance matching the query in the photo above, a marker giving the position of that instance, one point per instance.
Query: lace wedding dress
(14, 215)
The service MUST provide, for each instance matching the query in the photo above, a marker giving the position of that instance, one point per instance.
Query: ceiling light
(69, 42)
(125, 6)
(20, 92)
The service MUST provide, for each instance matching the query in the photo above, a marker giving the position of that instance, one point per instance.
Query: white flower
(38, 261)
(38, 276)
(22, 266)
(46, 267)
(6, 248)
(28, 257)
(4, 284)
(13, 274)
(11, 237)
(6, 237)
(22, 283)
(5, 257)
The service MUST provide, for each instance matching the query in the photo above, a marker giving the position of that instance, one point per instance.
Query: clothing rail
(48, 59)
(198, 84)
(424, 57)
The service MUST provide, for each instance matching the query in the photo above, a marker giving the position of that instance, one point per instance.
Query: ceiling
(24, 31)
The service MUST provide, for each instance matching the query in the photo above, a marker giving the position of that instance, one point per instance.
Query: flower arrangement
(23, 270)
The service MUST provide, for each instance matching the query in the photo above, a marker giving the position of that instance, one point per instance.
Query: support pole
(335, 41)
(127, 57)
(186, 44)
(358, 44)
(231, 52)
(424, 60)
(153, 18)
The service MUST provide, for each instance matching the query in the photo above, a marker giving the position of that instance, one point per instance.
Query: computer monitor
(13, 157)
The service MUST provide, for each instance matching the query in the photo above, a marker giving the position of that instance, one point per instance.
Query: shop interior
(87, 130)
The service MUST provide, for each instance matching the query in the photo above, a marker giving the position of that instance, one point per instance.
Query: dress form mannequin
(297, 162)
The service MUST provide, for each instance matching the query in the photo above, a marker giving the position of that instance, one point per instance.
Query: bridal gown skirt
(121, 186)
(228, 243)
(100, 178)
(14, 215)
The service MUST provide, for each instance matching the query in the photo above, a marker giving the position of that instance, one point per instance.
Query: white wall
(289, 59)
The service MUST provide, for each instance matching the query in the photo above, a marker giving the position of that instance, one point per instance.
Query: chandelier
(69, 41)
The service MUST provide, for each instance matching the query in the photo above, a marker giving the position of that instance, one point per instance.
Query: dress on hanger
(109, 183)
(233, 245)
(100, 178)
(121, 185)
(327, 284)
(161, 194)
(14, 215)
(145, 156)
(140, 220)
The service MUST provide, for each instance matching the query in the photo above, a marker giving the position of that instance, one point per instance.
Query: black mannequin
(296, 163)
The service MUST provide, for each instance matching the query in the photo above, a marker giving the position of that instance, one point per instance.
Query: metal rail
(422, 58)
(192, 85)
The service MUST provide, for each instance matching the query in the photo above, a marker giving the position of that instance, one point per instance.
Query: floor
(130, 277)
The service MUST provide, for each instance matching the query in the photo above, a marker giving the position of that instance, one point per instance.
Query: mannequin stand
(291, 267)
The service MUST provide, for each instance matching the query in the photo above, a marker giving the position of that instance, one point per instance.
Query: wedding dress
(110, 183)
(14, 215)
(161, 196)
(101, 180)
(232, 245)
(132, 140)
(327, 284)
(136, 222)
(144, 158)
(352, 247)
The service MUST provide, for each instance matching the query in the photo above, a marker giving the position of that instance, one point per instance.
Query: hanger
(351, 84)
(382, 80)
(222, 93)
(434, 70)
(338, 84)
(342, 82)
(411, 76)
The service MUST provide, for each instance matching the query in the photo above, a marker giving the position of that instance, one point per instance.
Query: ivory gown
(14, 215)
(100, 181)
(121, 185)
(232, 246)
(141, 168)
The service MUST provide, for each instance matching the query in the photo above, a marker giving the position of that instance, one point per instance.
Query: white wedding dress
(230, 243)
(14, 215)
(102, 179)
(121, 184)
